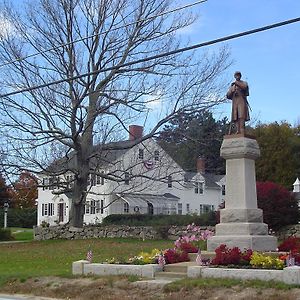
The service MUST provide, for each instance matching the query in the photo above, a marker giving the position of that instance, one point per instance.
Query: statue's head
(237, 75)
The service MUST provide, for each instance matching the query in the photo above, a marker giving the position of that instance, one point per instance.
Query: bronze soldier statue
(238, 93)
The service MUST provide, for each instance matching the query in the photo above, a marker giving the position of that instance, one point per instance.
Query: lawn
(22, 234)
(55, 257)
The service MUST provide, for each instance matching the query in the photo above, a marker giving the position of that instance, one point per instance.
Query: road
(23, 297)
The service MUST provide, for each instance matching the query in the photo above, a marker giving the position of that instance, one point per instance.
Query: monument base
(241, 221)
(254, 242)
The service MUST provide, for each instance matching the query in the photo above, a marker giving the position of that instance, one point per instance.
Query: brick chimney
(201, 165)
(135, 132)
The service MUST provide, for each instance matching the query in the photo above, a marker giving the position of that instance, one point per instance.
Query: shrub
(175, 255)
(25, 218)
(279, 206)
(231, 256)
(5, 235)
(290, 244)
(160, 220)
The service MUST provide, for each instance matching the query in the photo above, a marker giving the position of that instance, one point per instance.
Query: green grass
(22, 234)
(55, 257)
(188, 284)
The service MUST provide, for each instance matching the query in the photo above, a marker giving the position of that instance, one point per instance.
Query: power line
(196, 46)
(104, 32)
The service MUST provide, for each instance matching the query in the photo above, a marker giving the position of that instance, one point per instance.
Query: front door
(60, 212)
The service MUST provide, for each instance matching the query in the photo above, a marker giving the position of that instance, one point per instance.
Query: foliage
(5, 235)
(190, 242)
(292, 245)
(24, 192)
(25, 218)
(231, 256)
(207, 219)
(277, 142)
(192, 135)
(259, 260)
(175, 255)
(289, 244)
(279, 205)
(145, 257)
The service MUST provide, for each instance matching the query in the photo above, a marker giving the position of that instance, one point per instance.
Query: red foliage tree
(278, 204)
(24, 191)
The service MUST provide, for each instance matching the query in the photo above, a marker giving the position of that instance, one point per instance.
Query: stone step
(205, 255)
(178, 275)
(175, 268)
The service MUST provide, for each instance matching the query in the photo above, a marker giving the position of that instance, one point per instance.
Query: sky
(269, 61)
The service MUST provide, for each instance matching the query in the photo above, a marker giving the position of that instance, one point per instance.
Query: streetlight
(6, 206)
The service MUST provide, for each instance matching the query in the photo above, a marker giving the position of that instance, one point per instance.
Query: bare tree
(96, 38)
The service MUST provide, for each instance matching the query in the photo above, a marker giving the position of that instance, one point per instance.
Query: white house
(153, 183)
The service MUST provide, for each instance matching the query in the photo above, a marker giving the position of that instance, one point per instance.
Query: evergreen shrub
(208, 219)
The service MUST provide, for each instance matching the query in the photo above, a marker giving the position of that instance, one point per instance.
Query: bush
(25, 218)
(208, 219)
(231, 256)
(279, 206)
(290, 244)
(174, 256)
(5, 235)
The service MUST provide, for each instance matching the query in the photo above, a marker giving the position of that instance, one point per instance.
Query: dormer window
(223, 190)
(141, 153)
(156, 155)
(199, 187)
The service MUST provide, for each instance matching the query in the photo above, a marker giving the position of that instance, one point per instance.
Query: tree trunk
(77, 214)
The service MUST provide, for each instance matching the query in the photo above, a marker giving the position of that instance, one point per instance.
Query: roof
(210, 179)
(142, 200)
(100, 157)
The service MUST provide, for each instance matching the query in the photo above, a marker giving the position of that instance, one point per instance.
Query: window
(126, 178)
(223, 190)
(187, 208)
(205, 208)
(93, 207)
(199, 187)
(102, 207)
(100, 179)
(180, 208)
(156, 155)
(50, 209)
(126, 207)
(169, 181)
(45, 209)
(87, 207)
(97, 206)
(141, 153)
(45, 183)
(68, 181)
(93, 179)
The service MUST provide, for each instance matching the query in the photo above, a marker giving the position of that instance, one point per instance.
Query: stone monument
(241, 222)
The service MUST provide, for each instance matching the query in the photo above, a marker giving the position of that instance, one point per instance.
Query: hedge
(25, 218)
(5, 235)
(208, 219)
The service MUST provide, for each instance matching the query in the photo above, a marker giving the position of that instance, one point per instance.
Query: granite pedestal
(241, 222)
